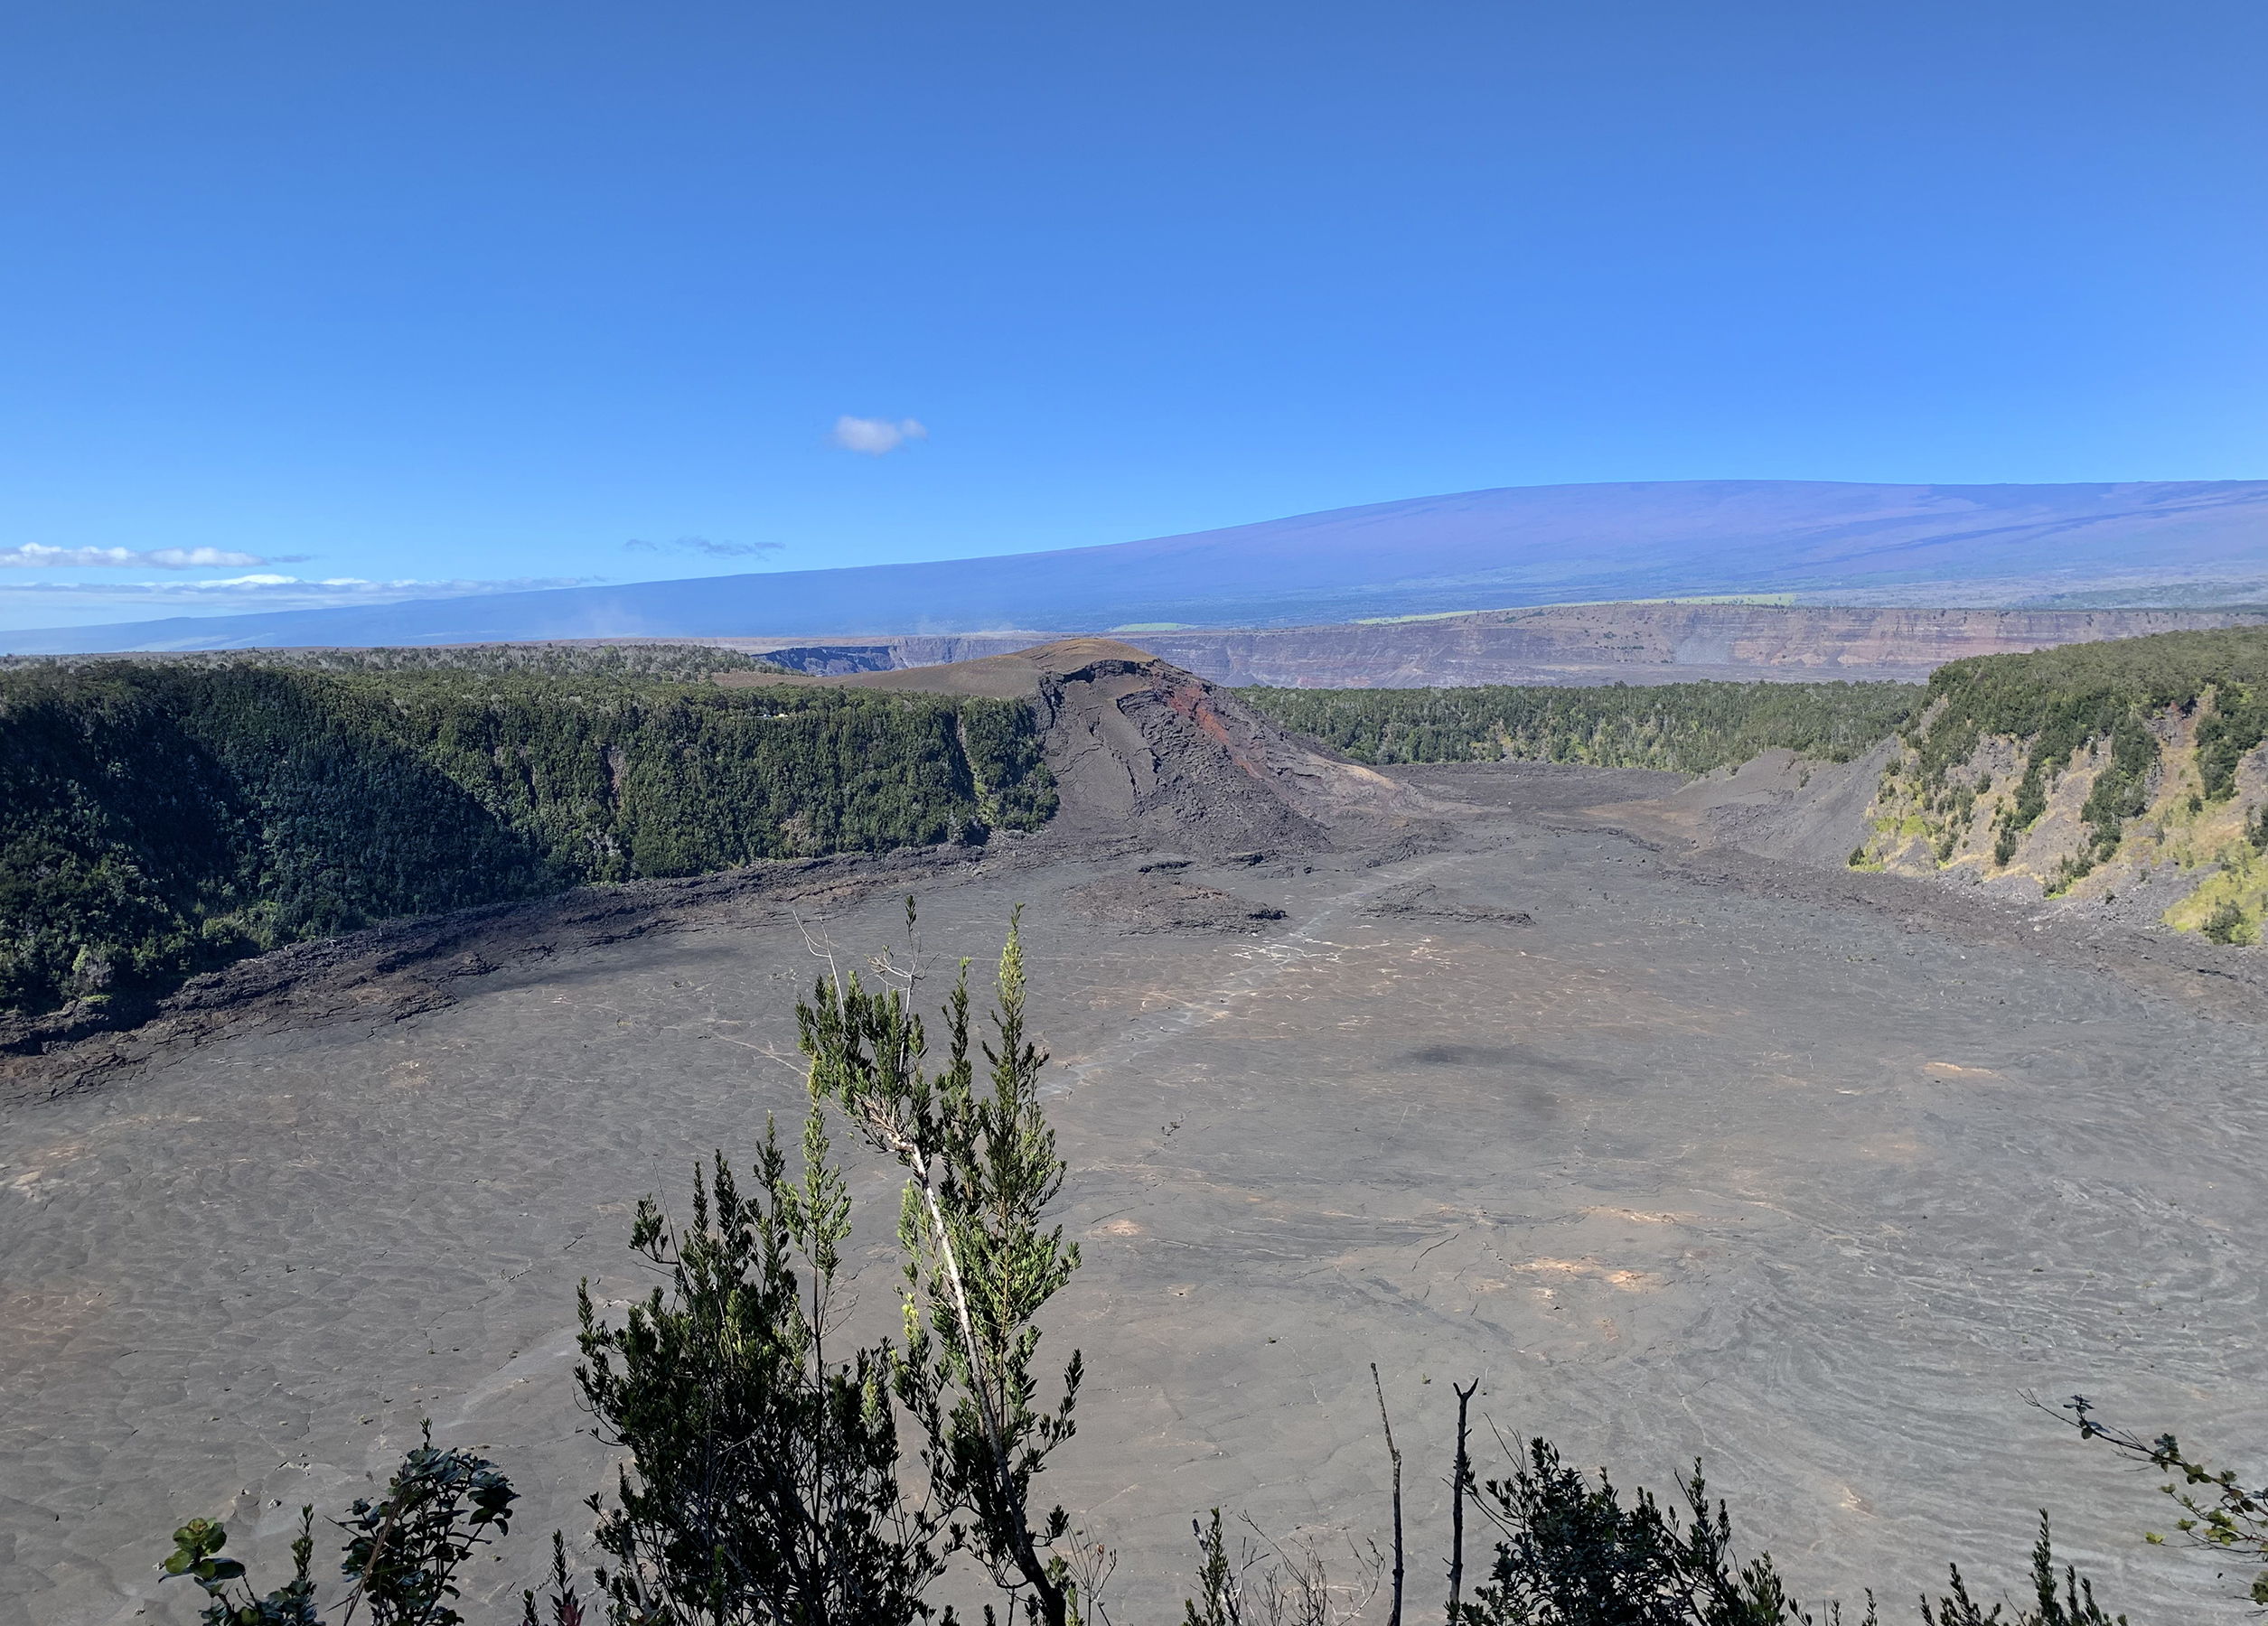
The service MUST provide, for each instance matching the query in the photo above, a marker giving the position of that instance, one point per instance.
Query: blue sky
(356, 300)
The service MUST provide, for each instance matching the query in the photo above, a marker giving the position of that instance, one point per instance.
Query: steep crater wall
(2133, 776)
(157, 819)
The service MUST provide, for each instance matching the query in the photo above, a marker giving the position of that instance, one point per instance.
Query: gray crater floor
(1726, 1162)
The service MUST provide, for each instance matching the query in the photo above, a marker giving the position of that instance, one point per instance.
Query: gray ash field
(1685, 1151)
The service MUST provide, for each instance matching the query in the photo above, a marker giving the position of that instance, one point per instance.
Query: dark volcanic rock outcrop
(1148, 901)
(1423, 899)
(1139, 745)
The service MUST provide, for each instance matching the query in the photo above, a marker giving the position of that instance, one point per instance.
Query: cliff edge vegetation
(2093, 770)
(163, 817)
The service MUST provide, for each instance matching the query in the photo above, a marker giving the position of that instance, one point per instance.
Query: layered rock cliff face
(1651, 643)
(1602, 643)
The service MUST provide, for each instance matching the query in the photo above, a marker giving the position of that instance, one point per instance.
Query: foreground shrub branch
(981, 1167)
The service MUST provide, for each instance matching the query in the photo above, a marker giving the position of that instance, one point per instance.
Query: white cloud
(702, 545)
(873, 436)
(38, 556)
(350, 587)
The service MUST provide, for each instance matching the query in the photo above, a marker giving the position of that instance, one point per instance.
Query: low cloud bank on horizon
(30, 605)
(38, 556)
(874, 437)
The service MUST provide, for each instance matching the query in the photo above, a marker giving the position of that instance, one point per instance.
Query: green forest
(687, 662)
(1688, 727)
(2061, 698)
(165, 817)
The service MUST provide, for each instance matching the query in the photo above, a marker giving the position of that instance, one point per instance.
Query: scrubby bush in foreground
(980, 1263)
(403, 1552)
(762, 1482)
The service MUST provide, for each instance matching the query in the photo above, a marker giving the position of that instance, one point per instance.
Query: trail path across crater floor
(1679, 1161)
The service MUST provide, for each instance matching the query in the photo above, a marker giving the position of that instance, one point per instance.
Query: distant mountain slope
(2165, 542)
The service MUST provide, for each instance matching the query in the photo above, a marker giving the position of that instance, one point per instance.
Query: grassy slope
(161, 817)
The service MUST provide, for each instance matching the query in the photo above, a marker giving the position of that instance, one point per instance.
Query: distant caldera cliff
(1648, 643)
